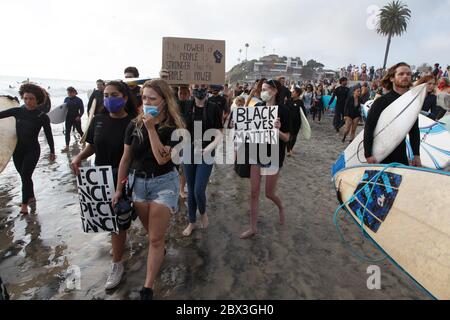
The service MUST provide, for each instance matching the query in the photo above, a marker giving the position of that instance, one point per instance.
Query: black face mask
(200, 94)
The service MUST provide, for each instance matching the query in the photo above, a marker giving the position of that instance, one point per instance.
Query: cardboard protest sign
(194, 61)
(95, 191)
(256, 125)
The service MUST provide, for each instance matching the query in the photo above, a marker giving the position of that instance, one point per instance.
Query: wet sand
(304, 259)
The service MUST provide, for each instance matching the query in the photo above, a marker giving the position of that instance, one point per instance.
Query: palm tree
(246, 50)
(393, 21)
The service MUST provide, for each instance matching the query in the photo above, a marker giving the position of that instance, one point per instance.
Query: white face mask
(266, 96)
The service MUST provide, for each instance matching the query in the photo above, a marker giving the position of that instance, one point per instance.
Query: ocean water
(9, 85)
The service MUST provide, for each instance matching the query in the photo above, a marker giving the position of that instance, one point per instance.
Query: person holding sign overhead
(105, 139)
(147, 152)
(200, 115)
(271, 96)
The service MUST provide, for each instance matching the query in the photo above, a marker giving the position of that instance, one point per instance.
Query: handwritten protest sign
(95, 191)
(194, 61)
(255, 125)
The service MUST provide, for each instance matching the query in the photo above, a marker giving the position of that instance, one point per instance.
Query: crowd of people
(132, 132)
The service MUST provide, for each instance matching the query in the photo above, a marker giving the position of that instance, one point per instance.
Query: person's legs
(190, 174)
(182, 183)
(69, 124)
(271, 185)
(159, 220)
(348, 125)
(355, 123)
(201, 182)
(337, 119)
(18, 158)
(291, 143)
(77, 126)
(118, 245)
(30, 160)
(255, 182)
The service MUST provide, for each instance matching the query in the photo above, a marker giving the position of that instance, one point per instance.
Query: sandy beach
(304, 259)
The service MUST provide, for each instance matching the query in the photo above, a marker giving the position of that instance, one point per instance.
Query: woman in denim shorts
(152, 174)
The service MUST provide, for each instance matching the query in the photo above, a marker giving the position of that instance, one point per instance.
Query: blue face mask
(151, 110)
(114, 104)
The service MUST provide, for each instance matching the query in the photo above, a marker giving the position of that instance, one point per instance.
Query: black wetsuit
(341, 93)
(296, 121)
(27, 152)
(75, 110)
(399, 155)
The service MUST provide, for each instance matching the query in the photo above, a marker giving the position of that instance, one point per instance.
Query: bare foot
(205, 221)
(248, 234)
(24, 209)
(32, 204)
(188, 231)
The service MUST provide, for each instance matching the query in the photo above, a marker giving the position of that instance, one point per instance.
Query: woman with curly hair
(29, 122)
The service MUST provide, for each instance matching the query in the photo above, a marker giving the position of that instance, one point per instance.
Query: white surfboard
(412, 230)
(8, 135)
(91, 116)
(446, 121)
(393, 125)
(58, 115)
(434, 142)
(305, 129)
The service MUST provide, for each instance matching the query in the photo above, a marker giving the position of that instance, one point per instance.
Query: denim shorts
(162, 190)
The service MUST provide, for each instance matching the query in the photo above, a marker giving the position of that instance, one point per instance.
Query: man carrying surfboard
(341, 94)
(397, 81)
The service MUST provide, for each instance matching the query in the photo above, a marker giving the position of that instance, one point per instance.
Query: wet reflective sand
(303, 259)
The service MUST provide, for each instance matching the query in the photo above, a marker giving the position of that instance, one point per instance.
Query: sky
(91, 39)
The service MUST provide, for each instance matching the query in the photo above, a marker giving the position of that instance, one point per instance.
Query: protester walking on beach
(307, 98)
(341, 94)
(29, 122)
(183, 96)
(271, 97)
(295, 106)
(75, 110)
(147, 156)
(220, 101)
(105, 138)
(352, 114)
(98, 96)
(397, 81)
(204, 114)
(129, 73)
(318, 103)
